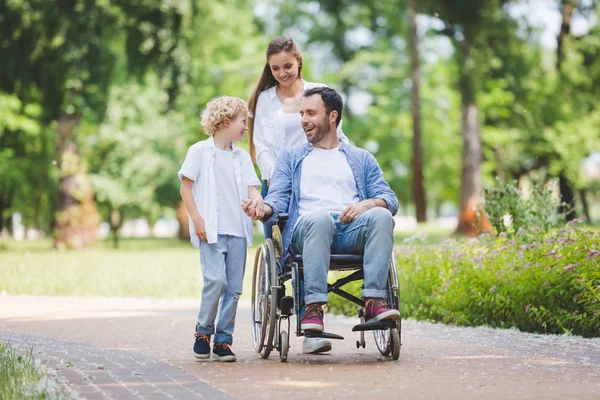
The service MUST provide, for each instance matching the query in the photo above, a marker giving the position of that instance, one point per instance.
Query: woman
(275, 106)
(276, 123)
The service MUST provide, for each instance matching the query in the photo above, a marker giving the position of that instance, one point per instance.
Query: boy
(217, 178)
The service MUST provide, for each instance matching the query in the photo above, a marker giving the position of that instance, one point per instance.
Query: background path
(141, 348)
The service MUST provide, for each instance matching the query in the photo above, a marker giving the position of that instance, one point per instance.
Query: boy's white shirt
(199, 167)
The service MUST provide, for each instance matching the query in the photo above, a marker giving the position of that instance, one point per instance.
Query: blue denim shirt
(284, 192)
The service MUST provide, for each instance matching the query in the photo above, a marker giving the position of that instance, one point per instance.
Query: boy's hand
(200, 229)
(259, 208)
(254, 208)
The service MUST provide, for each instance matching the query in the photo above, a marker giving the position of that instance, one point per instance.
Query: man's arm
(350, 213)
(280, 191)
(377, 187)
(378, 191)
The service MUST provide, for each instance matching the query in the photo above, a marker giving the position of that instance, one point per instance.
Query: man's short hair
(331, 99)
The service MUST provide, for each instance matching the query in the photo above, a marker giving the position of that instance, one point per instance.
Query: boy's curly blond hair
(221, 110)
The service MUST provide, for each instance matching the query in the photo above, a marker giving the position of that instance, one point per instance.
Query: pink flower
(493, 289)
(527, 307)
(550, 253)
(571, 266)
(594, 253)
(529, 246)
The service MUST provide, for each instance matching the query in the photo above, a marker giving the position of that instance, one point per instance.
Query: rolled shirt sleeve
(191, 165)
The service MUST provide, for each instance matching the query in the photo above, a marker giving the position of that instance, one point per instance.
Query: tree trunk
(76, 219)
(418, 188)
(2, 210)
(585, 205)
(115, 222)
(565, 29)
(566, 189)
(567, 206)
(184, 225)
(6, 195)
(470, 220)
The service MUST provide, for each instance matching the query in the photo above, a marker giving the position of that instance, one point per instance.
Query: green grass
(162, 268)
(22, 378)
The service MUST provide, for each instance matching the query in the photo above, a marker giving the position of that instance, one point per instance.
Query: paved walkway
(136, 348)
(90, 371)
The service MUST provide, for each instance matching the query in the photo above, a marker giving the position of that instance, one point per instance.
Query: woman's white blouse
(269, 129)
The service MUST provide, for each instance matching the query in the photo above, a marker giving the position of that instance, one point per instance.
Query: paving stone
(96, 373)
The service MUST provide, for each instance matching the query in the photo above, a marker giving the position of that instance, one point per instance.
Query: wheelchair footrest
(312, 334)
(374, 326)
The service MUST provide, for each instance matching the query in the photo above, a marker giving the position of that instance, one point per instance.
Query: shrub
(551, 285)
(507, 201)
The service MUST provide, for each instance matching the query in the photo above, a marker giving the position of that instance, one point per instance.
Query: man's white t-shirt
(327, 182)
(230, 210)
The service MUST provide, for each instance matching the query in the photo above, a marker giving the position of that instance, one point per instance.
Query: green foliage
(133, 157)
(510, 211)
(22, 378)
(549, 286)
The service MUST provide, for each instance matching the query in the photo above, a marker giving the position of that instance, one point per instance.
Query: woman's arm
(264, 155)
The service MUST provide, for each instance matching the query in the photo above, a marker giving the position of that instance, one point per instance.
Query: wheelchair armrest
(282, 219)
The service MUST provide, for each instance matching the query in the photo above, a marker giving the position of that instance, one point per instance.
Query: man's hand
(200, 229)
(254, 208)
(351, 212)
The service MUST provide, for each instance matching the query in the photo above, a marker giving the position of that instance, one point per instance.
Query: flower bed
(544, 284)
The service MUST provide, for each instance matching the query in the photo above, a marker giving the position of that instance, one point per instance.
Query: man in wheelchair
(337, 201)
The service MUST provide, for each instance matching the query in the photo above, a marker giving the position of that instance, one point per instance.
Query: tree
(61, 55)
(133, 155)
(418, 190)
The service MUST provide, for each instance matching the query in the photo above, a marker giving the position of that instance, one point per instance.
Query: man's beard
(320, 132)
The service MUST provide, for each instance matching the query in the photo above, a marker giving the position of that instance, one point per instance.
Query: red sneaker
(378, 310)
(313, 318)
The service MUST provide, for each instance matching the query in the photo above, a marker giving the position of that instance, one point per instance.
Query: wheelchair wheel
(395, 343)
(384, 339)
(284, 342)
(271, 288)
(259, 303)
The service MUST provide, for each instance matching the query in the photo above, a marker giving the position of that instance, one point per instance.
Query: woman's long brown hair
(267, 80)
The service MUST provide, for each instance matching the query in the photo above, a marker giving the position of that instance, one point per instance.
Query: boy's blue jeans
(223, 264)
(319, 234)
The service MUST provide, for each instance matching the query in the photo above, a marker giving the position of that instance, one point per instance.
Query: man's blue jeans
(223, 265)
(319, 234)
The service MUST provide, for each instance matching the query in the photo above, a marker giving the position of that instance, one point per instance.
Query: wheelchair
(272, 308)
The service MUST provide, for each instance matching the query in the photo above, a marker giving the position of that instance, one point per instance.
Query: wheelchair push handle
(282, 219)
